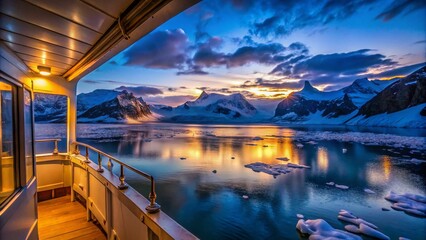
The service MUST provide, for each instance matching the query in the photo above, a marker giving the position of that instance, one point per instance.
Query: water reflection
(210, 205)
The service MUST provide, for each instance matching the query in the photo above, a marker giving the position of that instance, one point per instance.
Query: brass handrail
(153, 206)
(55, 140)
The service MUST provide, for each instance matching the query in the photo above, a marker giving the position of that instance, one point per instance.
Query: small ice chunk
(356, 221)
(214, 171)
(330, 183)
(283, 158)
(265, 146)
(293, 165)
(245, 197)
(344, 187)
(385, 209)
(299, 145)
(403, 238)
(367, 230)
(257, 138)
(369, 191)
(232, 157)
(183, 158)
(147, 140)
(344, 150)
(346, 213)
(300, 216)
(312, 142)
(251, 144)
(409, 203)
(320, 229)
(352, 228)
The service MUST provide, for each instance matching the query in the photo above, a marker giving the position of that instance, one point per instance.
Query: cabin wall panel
(125, 224)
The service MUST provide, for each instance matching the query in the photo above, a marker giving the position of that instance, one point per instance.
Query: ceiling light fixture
(45, 71)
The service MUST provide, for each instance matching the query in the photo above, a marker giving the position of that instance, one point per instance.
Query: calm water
(211, 205)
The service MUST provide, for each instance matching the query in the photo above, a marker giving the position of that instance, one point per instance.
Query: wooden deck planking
(60, 218)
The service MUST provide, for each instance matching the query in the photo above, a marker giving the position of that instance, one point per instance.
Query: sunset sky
(266, 49)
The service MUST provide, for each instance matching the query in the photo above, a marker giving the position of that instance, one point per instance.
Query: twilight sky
(266, 49)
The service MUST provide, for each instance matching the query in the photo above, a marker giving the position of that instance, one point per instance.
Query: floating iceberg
(409, 203)
(330, 183)
(344, 150)
(360, 225)
(245, 197)
(366, 230)
(320, 229)
(300, 216)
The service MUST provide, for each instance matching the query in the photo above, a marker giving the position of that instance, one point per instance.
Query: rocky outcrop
(404, 93)
(123, 108)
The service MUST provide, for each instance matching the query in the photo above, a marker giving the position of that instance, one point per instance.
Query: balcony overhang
(75, 37)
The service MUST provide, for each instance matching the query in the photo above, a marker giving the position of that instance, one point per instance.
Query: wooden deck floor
(60, 218)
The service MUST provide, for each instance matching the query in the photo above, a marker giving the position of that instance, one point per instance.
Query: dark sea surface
(211, 205)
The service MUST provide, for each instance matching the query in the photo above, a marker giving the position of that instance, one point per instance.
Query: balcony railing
(153, 206)
(55, 142)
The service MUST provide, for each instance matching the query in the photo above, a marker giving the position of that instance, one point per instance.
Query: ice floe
(312, 142)
(360, 225)
(300, 216)
(183, 158)
(283, 158)
(330, 183)
(273, 169)
(245, 197)
(368, 138)
(409, 203)
(299, 145)
(320, 229)
(366, 230)
(344, 150)
(214, 171)
(344, 187)
(369, 191)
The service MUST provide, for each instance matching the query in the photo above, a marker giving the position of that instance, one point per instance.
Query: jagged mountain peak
(309, 88)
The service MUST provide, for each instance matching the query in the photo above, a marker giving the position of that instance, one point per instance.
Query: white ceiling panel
(9, 37)
(33, 31)
(40, 54)
(112, 7)
(78, 12)
(32, 14)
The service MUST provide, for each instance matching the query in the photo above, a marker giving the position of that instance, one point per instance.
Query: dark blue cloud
(399, 7)
(277, 85)
(288, 16)
(401, 71)
(161, 49)
(349, 63)
(141, 90)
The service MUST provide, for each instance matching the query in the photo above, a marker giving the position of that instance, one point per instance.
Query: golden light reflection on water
(322, 159)
(387, 167)
(380, 174)
(226, 154)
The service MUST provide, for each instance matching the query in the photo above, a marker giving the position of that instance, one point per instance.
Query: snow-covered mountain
(124, 108)
(50, 108)
(402, 104)
(210, 108)
(91, 99)
(312, 106)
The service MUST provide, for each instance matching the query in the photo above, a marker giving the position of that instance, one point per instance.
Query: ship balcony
(83, 194)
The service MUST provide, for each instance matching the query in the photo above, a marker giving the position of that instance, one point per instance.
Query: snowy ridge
(208, 108)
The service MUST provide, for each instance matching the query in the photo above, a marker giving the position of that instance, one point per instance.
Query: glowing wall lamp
(45, 71)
